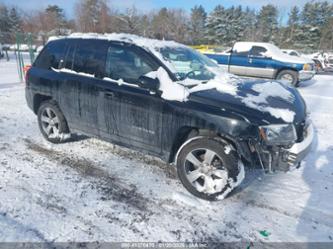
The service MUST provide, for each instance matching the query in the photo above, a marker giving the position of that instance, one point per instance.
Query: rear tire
(209, 168)
(52, 122)
(289, 76)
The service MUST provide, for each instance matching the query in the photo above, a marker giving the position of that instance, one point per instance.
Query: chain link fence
(22, 47)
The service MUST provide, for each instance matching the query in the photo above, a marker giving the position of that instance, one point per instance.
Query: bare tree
(130, 21)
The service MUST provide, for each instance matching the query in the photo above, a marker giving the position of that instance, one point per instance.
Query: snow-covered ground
(89, 190)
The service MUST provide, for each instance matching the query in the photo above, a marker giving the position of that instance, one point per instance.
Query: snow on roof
(246, 46)
(151, 45)
(122, 37)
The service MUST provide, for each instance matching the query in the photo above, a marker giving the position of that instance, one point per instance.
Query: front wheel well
(285, 69)
(186, 133)
(38, 100)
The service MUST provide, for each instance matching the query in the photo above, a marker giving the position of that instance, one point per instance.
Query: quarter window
(51, 55)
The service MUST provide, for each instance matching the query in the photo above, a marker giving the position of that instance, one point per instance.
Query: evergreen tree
(15, 22)
(249, 22)
(310, 35)
(56, 18)
(236, 25)
(197, 25)
(56, 11)
(4, 24)
(216, 25)
(293, 21)
(267, 24)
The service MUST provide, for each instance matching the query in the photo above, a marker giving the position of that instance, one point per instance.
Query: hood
(260, 102)
(291, 59)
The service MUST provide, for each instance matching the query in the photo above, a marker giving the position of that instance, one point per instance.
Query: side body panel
(254, 67)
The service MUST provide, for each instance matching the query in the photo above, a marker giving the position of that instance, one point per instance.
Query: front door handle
(109, 94)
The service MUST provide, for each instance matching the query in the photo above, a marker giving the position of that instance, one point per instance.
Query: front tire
(52, 122)
(209, 168)
(289, 76)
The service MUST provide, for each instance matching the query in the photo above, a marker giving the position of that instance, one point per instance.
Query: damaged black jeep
(167, 100)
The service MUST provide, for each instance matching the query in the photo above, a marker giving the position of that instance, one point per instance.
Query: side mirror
(149, 83)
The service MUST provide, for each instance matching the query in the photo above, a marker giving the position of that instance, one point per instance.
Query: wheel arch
(186, 134)
(38, 100)
(284, 69)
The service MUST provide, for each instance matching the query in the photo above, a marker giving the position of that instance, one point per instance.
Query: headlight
(307, 67)
(284, 134)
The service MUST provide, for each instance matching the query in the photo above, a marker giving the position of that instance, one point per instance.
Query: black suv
(169, 101)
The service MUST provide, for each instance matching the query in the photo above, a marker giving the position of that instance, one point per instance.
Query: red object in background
(25, 71)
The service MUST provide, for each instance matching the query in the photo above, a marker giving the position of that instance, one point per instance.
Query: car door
(239, 63)
(89, 64)
(131, 115)
(260, 63)
(83, 69)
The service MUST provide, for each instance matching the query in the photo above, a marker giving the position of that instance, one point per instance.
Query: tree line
(309, 27)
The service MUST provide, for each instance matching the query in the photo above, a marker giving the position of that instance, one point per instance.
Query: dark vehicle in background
(264, 60)
(115, 87)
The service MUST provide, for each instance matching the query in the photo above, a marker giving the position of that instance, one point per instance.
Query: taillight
(25, 71)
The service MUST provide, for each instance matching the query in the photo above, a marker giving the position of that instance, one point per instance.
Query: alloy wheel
(50, 122)
(205, 171)
(287, 78)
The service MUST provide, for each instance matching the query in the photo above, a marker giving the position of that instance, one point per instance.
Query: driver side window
(257, 51)
(127, 64)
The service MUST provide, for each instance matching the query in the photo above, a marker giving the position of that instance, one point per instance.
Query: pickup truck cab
(167, 100)
(264, 60)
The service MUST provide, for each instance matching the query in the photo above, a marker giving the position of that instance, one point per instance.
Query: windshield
(274, 50)
(189, 63)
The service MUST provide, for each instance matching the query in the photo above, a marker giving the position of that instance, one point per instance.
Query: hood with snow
(261, 102)
(258, 101)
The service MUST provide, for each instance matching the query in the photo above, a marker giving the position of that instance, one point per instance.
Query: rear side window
(51, 55)
(90, 56)
(127, 63)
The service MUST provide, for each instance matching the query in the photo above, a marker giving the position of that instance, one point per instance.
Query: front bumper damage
(285, 159)
(306, 75)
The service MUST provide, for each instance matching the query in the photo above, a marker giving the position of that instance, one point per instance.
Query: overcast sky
(146, 5)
